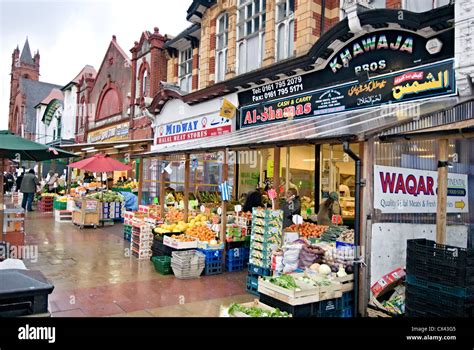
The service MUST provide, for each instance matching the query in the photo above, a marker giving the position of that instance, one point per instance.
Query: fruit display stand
(86, 212)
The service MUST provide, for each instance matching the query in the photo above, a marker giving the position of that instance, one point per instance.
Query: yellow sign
(460, 205)
(117, 132)
(227, 109)
(416, 87)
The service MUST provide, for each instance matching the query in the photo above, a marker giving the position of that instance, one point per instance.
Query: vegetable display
(333, 233)
(310, 255)
(256, 311)
(284, 281)
(347, 236)
(108, 196)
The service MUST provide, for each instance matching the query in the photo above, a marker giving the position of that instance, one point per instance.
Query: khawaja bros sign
(376, 53)
(404, 190)
(418, 83)
(192, 129)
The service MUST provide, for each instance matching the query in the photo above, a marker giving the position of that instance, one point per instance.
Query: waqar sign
(403, 190)
(418, 83)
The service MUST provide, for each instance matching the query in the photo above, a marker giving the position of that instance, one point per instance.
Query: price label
(238, 208)
(219, 211)
(155, 200)
(203, 208)
(272, 194)
(297, 219)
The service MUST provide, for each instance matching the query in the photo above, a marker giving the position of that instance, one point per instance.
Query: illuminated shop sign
(418, 83)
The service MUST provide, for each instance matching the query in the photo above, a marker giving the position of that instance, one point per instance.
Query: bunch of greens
(256, 312)
(285, 281)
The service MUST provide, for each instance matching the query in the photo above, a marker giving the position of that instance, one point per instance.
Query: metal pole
(356, 223)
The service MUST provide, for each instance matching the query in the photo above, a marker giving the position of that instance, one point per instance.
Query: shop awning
(456, 120)
(339, 126)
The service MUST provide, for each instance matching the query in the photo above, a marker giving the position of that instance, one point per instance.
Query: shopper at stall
(253, 200)
(8, 181)
(291, 206)
(329, 208)
(52, 179)
(88, 178)
(29, 186)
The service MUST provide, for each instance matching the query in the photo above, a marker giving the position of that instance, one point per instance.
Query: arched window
(109, 103)
(144, 80)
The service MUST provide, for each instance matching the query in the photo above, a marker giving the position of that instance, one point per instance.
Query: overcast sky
(71, 34)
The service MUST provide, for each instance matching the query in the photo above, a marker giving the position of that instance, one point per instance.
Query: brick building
(26, 91)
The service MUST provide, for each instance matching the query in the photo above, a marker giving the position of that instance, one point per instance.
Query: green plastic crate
(59, 205)
(162, 264)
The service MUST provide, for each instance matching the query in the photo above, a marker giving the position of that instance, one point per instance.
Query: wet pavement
(93, 275)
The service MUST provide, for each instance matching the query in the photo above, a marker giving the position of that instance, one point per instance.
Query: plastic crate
(305, 310)
(437, 287)
(347, 312)
(212, 256)
(255, 270)
(213, 268)
(252, 285)
(328, 308)
(347, 300)
(234, 265)
(162, 264)
(59, 205)
(438, 263)
(438, 303)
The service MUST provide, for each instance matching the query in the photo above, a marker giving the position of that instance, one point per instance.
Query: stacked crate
(213, 261)
(439, 280)
(236, 259)
(142, 239)
(112, 210)
(62, 216)
(267, 231)
(13, 220)
(45, 204)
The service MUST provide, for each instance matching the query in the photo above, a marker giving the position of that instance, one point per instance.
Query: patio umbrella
(11, 145)
(100, 163)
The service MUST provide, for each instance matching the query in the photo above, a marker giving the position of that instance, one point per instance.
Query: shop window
(285, 27)
(221, 46)
(185, 69)
(250, 34)
(423, 5)
(338, 175)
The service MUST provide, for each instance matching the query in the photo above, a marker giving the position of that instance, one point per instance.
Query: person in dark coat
(253, 200)
(291, 206)
(19, 179)
(29, 186)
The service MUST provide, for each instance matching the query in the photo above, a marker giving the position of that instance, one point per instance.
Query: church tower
(24, 66)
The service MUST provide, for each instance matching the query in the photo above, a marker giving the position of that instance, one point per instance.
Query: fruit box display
(180, 241)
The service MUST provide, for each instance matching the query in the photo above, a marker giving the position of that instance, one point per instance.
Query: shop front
(312, 124)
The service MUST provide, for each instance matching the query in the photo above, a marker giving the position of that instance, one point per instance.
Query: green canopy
(11, 145)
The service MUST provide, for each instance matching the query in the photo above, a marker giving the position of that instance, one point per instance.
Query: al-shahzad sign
(404, 190)
(191, 129)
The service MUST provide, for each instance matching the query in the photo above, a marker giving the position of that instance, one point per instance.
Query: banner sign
(112, 133)
(192, 129)
(417, 83)
(404, 190)
(379, 52)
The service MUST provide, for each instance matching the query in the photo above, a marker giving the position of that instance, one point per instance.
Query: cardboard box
(388, 282)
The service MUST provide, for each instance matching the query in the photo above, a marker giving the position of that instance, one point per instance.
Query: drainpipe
(358, 184)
